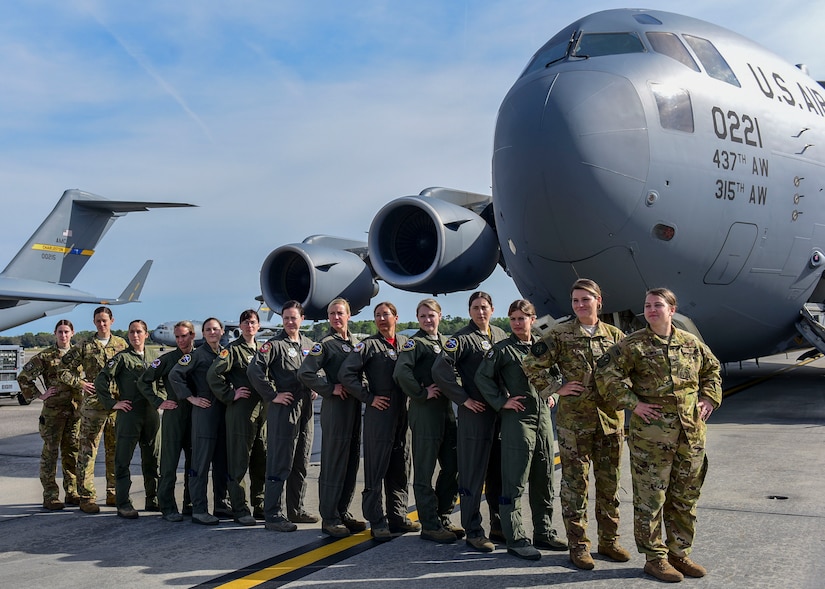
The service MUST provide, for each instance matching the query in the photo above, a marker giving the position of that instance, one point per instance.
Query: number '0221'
(742, 129)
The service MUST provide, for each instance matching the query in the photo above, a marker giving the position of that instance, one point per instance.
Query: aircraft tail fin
(131, 294)
(59, 249)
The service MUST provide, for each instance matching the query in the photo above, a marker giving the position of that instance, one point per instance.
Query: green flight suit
(386, 432)
(479, 439)
(433, 427)
(175, 430)
(289, 428)
(667, 455)
(59, 422)
(340, 427)
(188, 379)
(245, 425)
(526, 441)
(140, 425)
(82, 362)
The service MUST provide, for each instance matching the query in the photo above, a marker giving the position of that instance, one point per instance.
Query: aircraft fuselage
(643, 149)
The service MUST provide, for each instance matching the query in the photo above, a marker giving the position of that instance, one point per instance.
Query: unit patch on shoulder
(451, 345)
(491, 353)
(486, 345)
(111, 363)
(155, 363)
(358, 347)
(603, 360)
(265, 348)
(304, 352)
(185, 359)
(224, 353)
(539, 349)
(316, 350)
(408, 345)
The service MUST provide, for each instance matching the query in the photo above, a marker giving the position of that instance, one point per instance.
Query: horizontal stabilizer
(16, 289)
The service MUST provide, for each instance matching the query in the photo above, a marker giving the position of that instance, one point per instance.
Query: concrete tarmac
(761, 517)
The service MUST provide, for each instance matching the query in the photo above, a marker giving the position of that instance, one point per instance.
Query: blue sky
(279, 119)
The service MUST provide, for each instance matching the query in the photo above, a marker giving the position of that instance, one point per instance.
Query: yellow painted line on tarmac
(298, 562)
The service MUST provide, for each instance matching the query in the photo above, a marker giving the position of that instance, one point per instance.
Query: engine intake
(429, 245)
(315, 275)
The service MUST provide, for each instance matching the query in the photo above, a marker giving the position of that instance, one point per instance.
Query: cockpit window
(675, 108)
(546, 56)
(600, 44)
(670, 45)
(713, 62)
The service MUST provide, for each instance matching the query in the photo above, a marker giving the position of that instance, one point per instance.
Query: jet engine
(315, 274)
(429, 245)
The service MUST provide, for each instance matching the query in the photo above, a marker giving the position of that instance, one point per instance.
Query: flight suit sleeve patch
(265, 348)
(110, 364)
(539, 349)
(408, 345)
(185, 360)
(490, 354)
(451, 345)
(224, 353)
(155, 363)
(316, 350)
(359, 346)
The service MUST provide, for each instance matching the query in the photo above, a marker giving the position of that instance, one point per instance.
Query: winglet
(132, 291)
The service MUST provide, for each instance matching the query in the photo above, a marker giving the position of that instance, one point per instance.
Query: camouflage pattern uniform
(667, 455)
(433, 427)
(245, 425)
(526, 441)
(589, 429)
(118, 381)
(83, 362)
(479, 434)
(175, 430)
(386, 432)
(188, 378)
(289, 428)
(59, 423)
(340, 427)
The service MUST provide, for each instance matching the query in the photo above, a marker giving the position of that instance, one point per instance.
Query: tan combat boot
(614, 551)
(662, 570)
(89, 506)
(580, 557)
(686, 566)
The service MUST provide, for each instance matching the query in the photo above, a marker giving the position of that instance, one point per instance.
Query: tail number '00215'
(738, 128)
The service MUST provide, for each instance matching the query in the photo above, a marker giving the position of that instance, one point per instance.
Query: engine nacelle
(315, 275)
(429, 245)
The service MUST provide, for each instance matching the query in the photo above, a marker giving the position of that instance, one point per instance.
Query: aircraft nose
(574, 147)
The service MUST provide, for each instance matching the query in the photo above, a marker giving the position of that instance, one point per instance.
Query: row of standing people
(499, 383)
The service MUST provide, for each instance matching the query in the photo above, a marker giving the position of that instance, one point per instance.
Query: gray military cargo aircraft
(36, 283)
(638, 148)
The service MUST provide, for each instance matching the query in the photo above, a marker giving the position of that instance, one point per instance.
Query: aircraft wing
(22, 289)
(441, 240)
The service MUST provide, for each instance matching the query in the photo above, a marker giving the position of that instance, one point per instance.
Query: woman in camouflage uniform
(674, 387)
(588, 428)
(59, 419)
